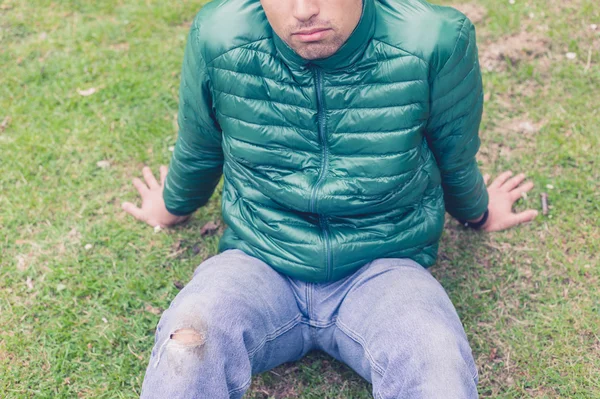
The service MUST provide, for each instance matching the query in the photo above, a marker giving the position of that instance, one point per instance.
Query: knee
(441, 347)
(424, 342)
(188, 337)
(181, 336)
(194, 320)
(434, 364)
(442, 343)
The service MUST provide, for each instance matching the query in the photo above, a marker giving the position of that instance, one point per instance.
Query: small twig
(140, 357)
(524, 249)
(506, 247)
(517, 320)
(277, 374)
(589, 60)
(544, 197)
(497, 248)
(133, 246)
(176, 253)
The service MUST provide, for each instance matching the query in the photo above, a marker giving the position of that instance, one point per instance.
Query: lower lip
(312, 37)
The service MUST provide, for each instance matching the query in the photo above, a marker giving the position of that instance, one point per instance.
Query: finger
(500, 180)
(523, 217)
(163, 174)
(134, 211)
(141, 187)
(519, 191)
(486, 178)
(513, 182)
(149, 177)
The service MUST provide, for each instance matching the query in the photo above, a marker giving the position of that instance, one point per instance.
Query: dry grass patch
(512, 50)
(475, 12)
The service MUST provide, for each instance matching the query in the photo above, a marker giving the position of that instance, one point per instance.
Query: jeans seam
(245, 385)
(317, 324)
(476, 375)
(309, 300)
(275, 334)
(356, 338)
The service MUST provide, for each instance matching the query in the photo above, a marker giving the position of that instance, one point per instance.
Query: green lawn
(82, 285)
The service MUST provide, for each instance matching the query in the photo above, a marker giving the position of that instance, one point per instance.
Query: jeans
(391, 321)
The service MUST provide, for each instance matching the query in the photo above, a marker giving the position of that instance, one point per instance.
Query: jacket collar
(346, 55)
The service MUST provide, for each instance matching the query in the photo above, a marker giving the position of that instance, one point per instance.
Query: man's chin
(316, 52)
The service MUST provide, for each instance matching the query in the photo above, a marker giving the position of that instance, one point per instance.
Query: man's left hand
(503, 192)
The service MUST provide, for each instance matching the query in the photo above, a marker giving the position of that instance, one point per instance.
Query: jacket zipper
(323, 223)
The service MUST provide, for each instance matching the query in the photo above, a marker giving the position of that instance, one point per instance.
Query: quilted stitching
(401, 125)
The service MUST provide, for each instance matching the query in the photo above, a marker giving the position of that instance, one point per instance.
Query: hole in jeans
(187, 336)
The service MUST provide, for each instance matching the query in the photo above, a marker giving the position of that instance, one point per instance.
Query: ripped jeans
(391, 321)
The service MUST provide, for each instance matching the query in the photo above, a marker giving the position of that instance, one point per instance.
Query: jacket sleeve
(197, 162)
(456, 106)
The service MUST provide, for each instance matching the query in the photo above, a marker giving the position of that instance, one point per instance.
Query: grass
(82, 285)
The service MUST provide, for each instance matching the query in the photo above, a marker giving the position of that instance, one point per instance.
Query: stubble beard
(319, 50)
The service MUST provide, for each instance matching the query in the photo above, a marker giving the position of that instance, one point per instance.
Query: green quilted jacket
(331, 163)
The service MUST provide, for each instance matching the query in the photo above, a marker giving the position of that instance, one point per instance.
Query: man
(344, 129)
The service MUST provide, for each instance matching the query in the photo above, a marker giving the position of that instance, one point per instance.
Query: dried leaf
(21, 263)
(527, 127)
(87, 92)
(196, 249)
(152, 309)
(29, 283)
(104, 164)
(209, 228)
(74, 236)
(120, 46)
(4, 124)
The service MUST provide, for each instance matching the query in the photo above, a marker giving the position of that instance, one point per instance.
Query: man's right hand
(153, 210)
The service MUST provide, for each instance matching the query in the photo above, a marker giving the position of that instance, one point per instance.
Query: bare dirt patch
(497, 55)
(519, 137)
(475, 12)
(520, 127)
(512, 50)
